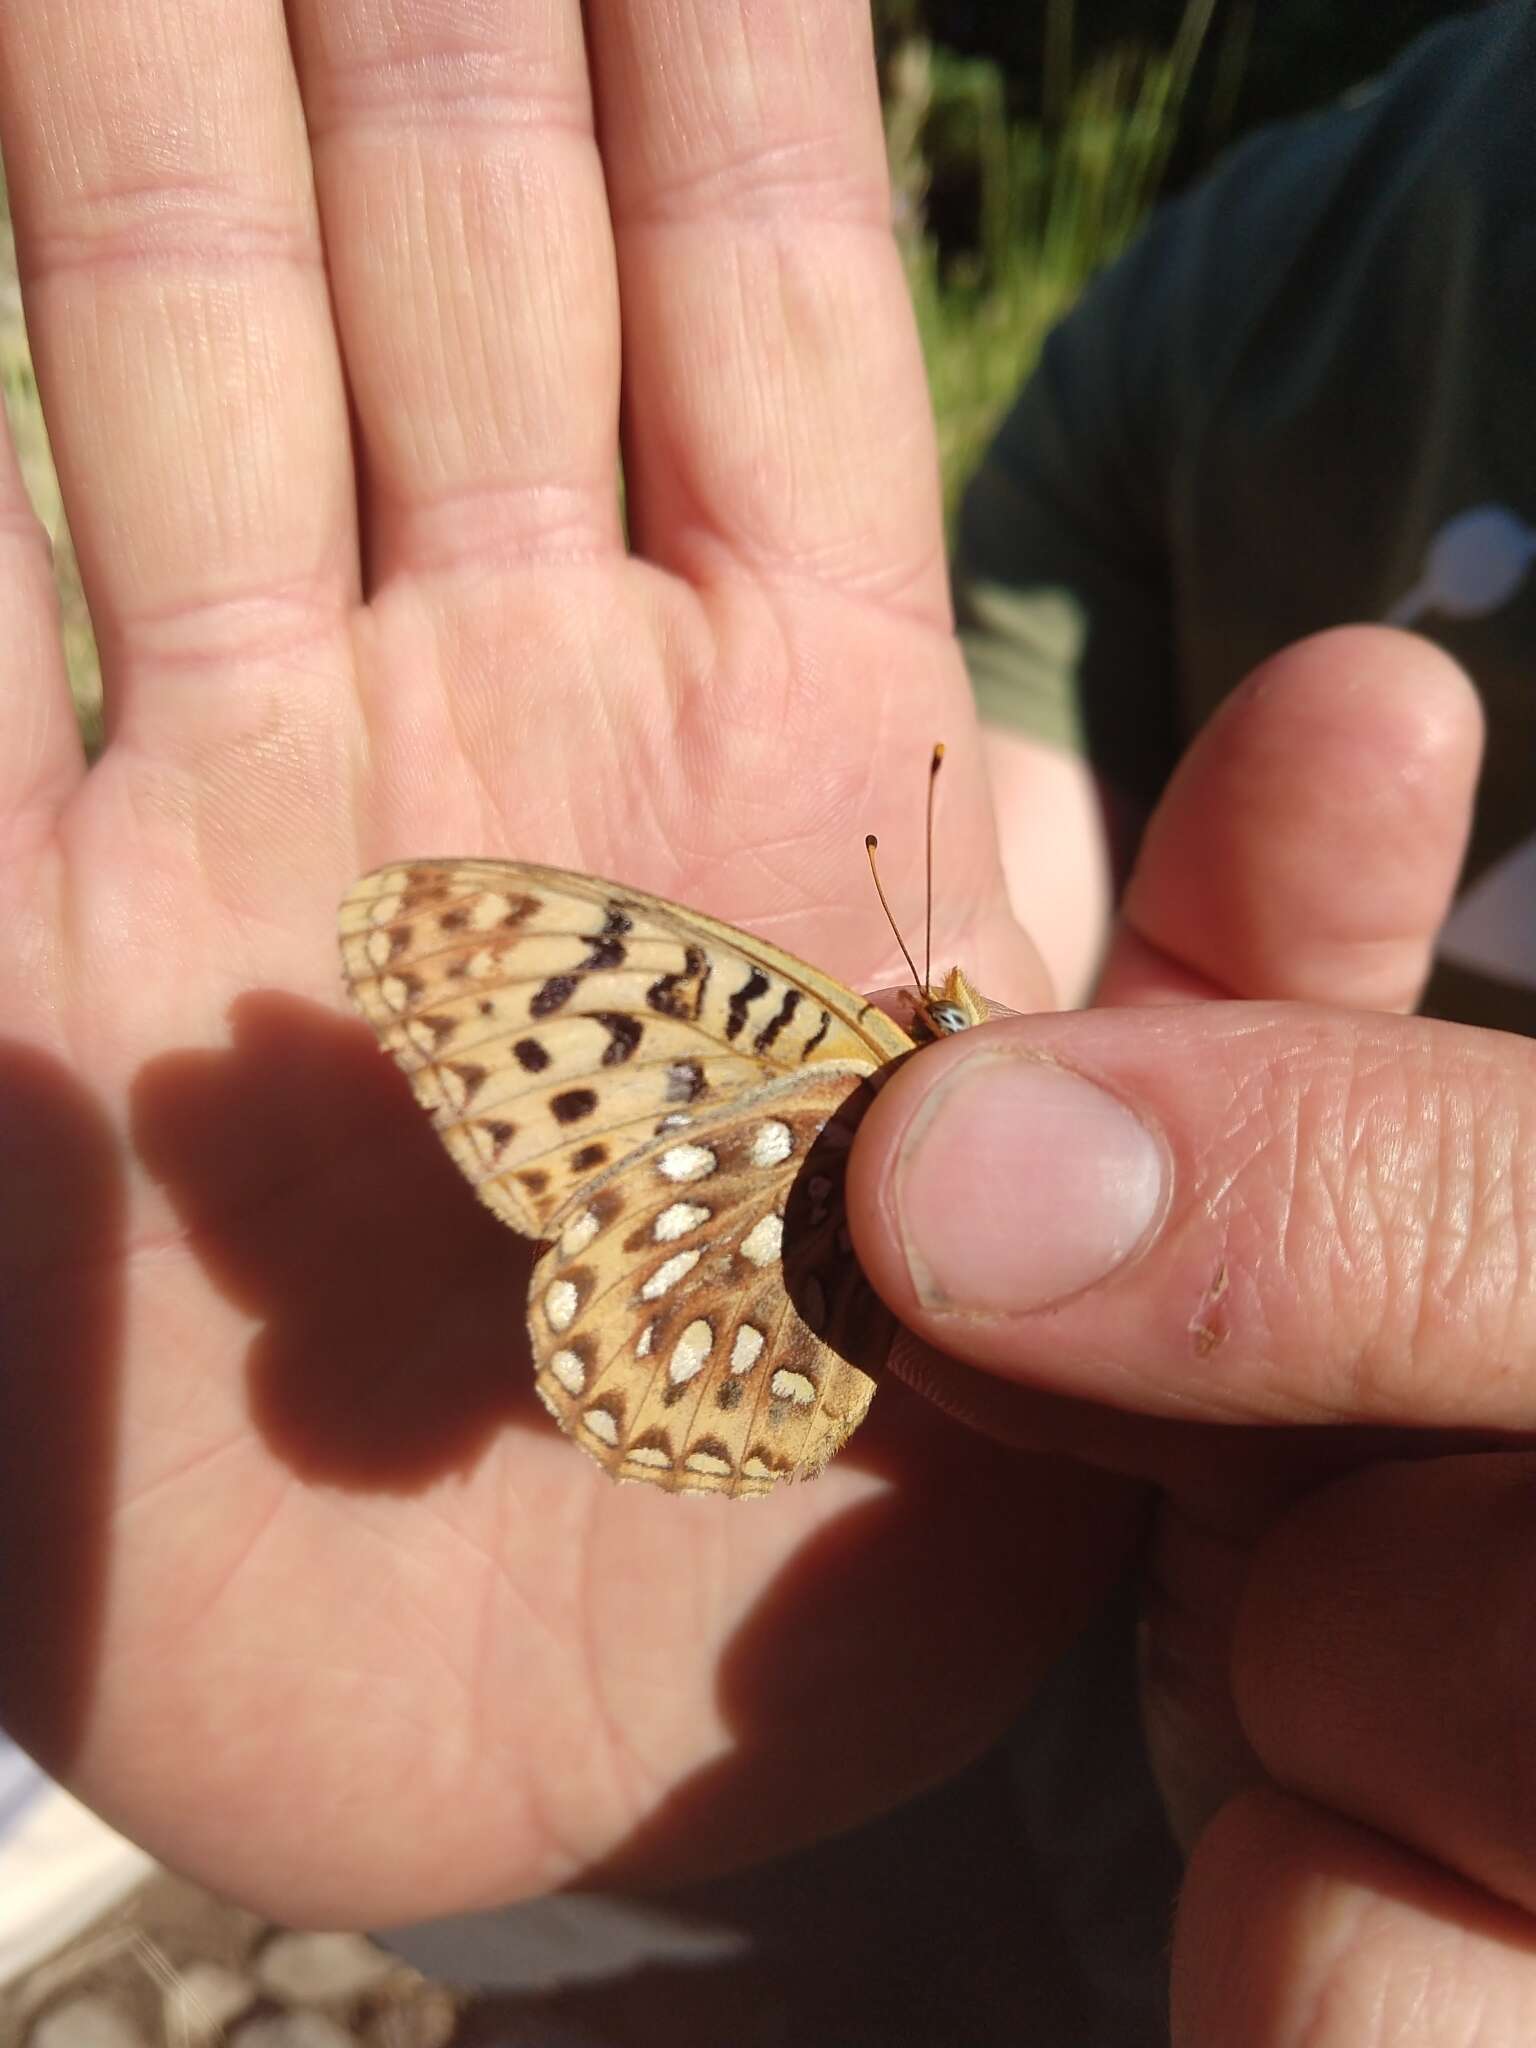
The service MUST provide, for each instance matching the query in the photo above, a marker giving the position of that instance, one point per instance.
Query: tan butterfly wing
(580, 1046)
(550, 1022)
(699, 1320)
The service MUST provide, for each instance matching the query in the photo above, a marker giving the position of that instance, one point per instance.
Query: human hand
(296, 1584)
(1315, 1340)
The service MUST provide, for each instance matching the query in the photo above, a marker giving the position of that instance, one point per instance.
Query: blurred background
(1026, 144)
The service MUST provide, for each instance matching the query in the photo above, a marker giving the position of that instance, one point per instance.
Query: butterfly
(666, 1104)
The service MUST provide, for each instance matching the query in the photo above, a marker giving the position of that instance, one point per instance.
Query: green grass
(25, 411)
(1055, 199)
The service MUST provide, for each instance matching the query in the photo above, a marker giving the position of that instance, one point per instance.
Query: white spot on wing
(490, 910)
(569, 1371)
(602, 1426)
(667, 1276)
(763, 1241)
(685, 1162)
(649, 1454)
(708, 1463)
(560, 1304)
(690, 1352)
(579, 1233)
(747, 1349)
(755, 1468)
(377, 949)
(394, 992)
(385, 909)
(772, 1143)
(647, 1335)
(793, 1386)
(677, 1221)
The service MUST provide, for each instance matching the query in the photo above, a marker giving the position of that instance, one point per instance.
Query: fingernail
(1018, 1183)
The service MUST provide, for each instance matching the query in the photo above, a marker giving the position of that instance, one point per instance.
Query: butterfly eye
(947, 1017)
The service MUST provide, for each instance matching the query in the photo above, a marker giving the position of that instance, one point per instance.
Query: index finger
(776, 412)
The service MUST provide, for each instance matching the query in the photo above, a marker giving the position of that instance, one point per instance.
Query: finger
(1295, 1927)
(1383, 1659)
(41, 759)
(171, 269)
(1309, 843)
(472, 263)
(1050, 839)
(776, 410)
(1219, 1211)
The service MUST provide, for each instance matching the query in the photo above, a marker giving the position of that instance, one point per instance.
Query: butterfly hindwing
(698, 1319)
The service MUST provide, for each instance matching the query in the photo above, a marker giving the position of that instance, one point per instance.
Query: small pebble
(321, 1969)
(291, 2030)
(85, 2023)
(202, 2002)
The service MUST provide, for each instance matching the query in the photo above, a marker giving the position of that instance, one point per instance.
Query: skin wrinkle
(458, 534)
(158, 241)
(190, 1618)
(732, 193)
(165, 639)
(171, 1475)
(466, 110)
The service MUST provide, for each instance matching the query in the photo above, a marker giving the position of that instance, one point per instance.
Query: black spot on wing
(752, 990)
(681, 994)
(572, 1104)
(770, 1031)
(553, 994)
(821, 1031)
(608, 944)
(624, 1034)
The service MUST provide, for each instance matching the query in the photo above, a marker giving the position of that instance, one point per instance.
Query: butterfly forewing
(552, 1023)
(699, 1320)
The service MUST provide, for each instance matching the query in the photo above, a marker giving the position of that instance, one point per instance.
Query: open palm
(295, 1582)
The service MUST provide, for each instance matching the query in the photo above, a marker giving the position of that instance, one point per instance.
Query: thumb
(1217, 1211)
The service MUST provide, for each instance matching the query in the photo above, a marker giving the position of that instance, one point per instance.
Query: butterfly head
(953, 1006)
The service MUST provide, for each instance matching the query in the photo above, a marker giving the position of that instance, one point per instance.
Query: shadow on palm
(886, 1620)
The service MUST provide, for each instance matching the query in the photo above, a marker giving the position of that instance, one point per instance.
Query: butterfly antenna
(871, 844)
(933, 775)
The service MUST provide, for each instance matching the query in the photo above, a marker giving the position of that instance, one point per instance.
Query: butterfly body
(667, 1103)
